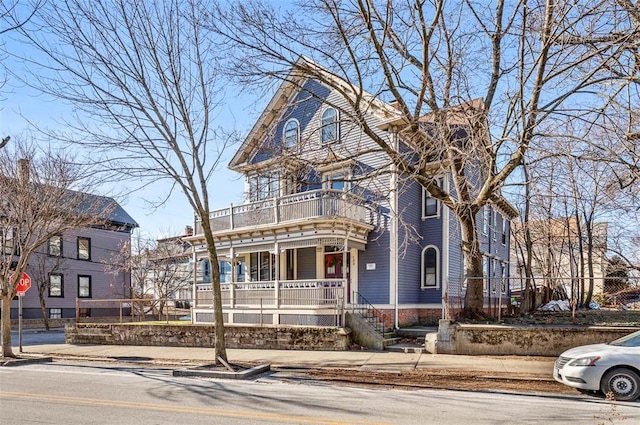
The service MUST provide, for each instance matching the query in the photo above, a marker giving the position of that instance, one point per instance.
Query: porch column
(345, 264)
(276, 247)
(232, 284)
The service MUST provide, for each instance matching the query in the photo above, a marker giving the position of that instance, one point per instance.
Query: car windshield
(631, 340)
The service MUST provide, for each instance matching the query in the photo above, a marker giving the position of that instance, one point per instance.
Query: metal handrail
(366, 310)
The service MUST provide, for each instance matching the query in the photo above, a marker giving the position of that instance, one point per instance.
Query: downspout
(445, 253)
(393, 270)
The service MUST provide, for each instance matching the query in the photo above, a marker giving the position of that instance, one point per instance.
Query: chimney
(23, 170)
(188, 231)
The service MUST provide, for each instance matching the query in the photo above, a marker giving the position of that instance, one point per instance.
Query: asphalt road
(107, 393)
(37, 337)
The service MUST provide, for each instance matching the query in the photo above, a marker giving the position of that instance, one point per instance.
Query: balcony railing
(301, 206)
(305, 294)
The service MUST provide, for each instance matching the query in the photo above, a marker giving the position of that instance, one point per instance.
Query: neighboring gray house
(76, 267)
(322, 224)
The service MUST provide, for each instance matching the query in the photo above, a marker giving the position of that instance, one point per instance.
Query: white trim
(438, 259)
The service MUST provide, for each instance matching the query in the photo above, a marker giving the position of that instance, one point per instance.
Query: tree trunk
(220, 350)
(6, 326)
(474, 277)
(43, 308)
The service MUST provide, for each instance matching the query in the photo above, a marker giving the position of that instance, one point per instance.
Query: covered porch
(290, 260)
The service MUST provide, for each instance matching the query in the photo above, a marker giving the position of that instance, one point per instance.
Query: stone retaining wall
(503, 340)
(268, 337)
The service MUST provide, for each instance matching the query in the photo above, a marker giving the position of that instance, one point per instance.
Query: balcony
(300, 207)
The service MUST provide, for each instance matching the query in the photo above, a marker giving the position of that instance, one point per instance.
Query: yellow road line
(265, 416)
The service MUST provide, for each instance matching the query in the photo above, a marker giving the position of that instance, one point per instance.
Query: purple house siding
(374, 284)
(104, 246)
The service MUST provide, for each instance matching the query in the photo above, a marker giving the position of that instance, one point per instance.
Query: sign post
(21, 289)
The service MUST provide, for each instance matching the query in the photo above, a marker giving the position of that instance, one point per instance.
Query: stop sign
(24, 284)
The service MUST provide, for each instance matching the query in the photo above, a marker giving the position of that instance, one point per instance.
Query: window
(494, 276)
(262, 266)
(225, 271)
(84, 248)
(205, 269)
(84, 286)
(329, 125)
(291, 133)
(264, 187)
(486, 220)
(55, 246)
(504, 230)
(56, 286)
(503, 278)
(430, 267)
(485, 272)
(8, 240)
(241, 267)
(494, 221)
(430, 205)
(335, 182)
(55, 313)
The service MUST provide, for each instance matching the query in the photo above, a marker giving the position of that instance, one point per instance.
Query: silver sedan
(611, 368)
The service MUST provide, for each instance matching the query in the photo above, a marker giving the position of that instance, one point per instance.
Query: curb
(20, 361)
(202, 372)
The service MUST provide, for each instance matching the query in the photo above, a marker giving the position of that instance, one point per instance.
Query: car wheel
(623, 383)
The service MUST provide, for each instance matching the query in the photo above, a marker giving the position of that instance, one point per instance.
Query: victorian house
(328, 225)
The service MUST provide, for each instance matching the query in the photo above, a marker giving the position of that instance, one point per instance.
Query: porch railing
(364, 309)
(299, 294)
(291, 208)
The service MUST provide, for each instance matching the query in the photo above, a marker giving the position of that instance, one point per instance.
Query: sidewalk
(540, 367)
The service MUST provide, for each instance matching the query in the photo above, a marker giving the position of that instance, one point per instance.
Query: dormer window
(291, 134)
(329, 125)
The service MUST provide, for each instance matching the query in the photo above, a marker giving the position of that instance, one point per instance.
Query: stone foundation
(267, 337)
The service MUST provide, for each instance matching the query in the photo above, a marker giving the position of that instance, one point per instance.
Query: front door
(335, 269)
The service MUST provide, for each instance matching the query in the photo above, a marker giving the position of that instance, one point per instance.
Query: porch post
(232, 284)
(276, 247)
(345, 262)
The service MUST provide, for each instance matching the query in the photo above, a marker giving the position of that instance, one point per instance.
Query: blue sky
(22, 105)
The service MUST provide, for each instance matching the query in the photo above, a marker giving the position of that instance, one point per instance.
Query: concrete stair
(415, 339)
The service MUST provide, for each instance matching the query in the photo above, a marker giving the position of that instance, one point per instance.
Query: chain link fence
(505, 296)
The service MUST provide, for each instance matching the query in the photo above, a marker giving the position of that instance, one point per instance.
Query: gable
(302, 98)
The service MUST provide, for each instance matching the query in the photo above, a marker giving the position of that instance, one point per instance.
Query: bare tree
(527, 63)
(14, 14)
(143, 80)
(41, 195)
(160, 269)
(41, 267)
